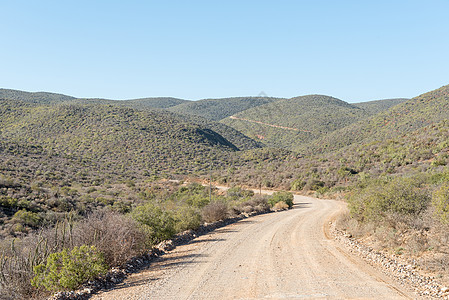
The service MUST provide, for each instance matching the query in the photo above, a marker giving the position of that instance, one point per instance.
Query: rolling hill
(424, 110)
(291, 122)
(143, 103)
(118, 141)
(37, 97)
(218, 109)
(53, 98)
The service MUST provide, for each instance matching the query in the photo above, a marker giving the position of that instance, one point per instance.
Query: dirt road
(273, 256)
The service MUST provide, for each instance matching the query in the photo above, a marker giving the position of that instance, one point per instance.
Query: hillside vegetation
(48, 148)
(377, 106)
(53, 98)
(426, 109)
(38, 97)
(307, 118)
(218, 109)
(141, 141)
(141, 104)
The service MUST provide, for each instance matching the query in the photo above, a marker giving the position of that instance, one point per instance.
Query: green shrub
(237, 193)
(68, 270)
(187, 218)
(297, 185)
(440, 201)
(383, 197)
(286, 197)
(193, 194)
(314, 184)
(159, 224)
(440, 177)
(440, 161)
(8, 202)
(27, 218)
(197, 200)
(322, 190)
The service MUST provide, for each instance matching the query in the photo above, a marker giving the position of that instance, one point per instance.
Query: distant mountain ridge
(34, 97)
(54, 98)
(218, 109)
(376, 106)
(257, 121)
(142, 103)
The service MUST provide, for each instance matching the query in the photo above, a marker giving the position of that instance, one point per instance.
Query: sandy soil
(280, 255)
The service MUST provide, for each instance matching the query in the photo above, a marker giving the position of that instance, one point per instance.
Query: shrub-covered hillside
(65, 158)
(292, 122)
(426, 109)
(217, 109)
(377, 106)
(142, 104)
(116, 139)
(53, 98)
(38, 97)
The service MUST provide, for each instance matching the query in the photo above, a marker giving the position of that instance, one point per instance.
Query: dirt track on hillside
(280, 255)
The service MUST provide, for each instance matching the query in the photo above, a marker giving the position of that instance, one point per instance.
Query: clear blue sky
(352, 50)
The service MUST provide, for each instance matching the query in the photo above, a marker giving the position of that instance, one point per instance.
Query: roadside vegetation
(404, 215)
(74, 250)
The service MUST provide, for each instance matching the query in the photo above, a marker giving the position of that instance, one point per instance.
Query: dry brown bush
(117, 236)
(215, 211)
(352, 226)
(280, 206)
(259, 204)
(17, 259)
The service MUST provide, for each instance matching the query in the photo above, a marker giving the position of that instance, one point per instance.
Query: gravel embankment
(393, 266)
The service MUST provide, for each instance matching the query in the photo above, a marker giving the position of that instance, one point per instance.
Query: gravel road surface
(280, 255)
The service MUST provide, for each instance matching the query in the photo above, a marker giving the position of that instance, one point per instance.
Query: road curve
(280, 255)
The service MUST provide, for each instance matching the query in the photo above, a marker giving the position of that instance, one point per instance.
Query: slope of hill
(53, 98)
(74, 158)
(115, 139)
(377, 106)
(292, 122)
(241, 141)
(238, 139)
(157, 102)
(218, 109)
(421, 111)
(37, 97)
(144, 103)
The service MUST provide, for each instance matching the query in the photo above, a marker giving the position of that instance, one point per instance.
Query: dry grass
(280, 206)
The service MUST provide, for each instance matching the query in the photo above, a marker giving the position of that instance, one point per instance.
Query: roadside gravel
(400, 270)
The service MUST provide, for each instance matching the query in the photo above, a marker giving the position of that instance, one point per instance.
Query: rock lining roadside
(392, 266)
(118, 275)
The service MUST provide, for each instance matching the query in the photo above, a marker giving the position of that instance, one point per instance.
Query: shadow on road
(206, 240)
(181, 260)
(301, 205)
